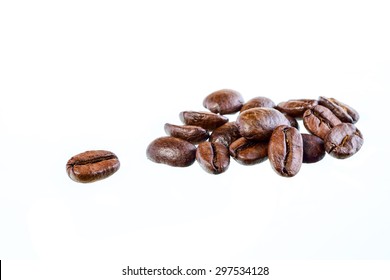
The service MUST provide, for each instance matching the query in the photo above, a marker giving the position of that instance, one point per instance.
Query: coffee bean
(259, 101)
(313, 148)
(224, 101)
(344, 112)
(225, 134)
(343, 141)
(92, 166)
(285, 151)
(258, 123)
(209, 121)
(296, 107)
(171, 151)
(213, 157)
(293, 121)
(190, 133)
(319, 120)
(248, 152)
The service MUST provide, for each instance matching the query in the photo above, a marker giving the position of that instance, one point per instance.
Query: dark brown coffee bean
(296, 107)
(259, 101)
(209, 121)
(343, 141)
(258, 123)
(293, 121)
(224, 101)
(225, 134)
(92, 166)
(171, 151)
(248, 152)
(319, 120)
(213, 157)
(285, 150)
(313, 148)
(190, 133)
(344, 112)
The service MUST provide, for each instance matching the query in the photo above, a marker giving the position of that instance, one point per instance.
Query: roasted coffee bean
(92, 166)
(285, 150)
(224, 101)
(171, 151)
(313, 148)
(296, 107)
(225, 134)
(209, 121)
(259, 101)
(344, 112)
(293, 121)
(343, 141)
(248, 152)
(213, 157)
(258, 123)
(190, 133)
(319, 120)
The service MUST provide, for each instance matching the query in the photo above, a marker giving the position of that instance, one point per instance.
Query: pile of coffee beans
(262, 130)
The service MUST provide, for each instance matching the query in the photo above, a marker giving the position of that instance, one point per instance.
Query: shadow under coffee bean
(261, 131)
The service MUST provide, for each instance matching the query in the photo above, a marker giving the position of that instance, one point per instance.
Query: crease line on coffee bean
(287, 151)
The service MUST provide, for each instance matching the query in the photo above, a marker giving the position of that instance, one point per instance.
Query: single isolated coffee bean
(214, 158)
(224, 101)
(206, 120)
(285, 151)
(92, 166)
(258, 123)
(343, 141)
(225, 134)
(319, 120)
(296, 107)
(171, 151)
(313, 148)
(190, 133)
(259, 101)
(344, 112)
(248, 152)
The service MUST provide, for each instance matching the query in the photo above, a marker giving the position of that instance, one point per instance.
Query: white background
(82, 75)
